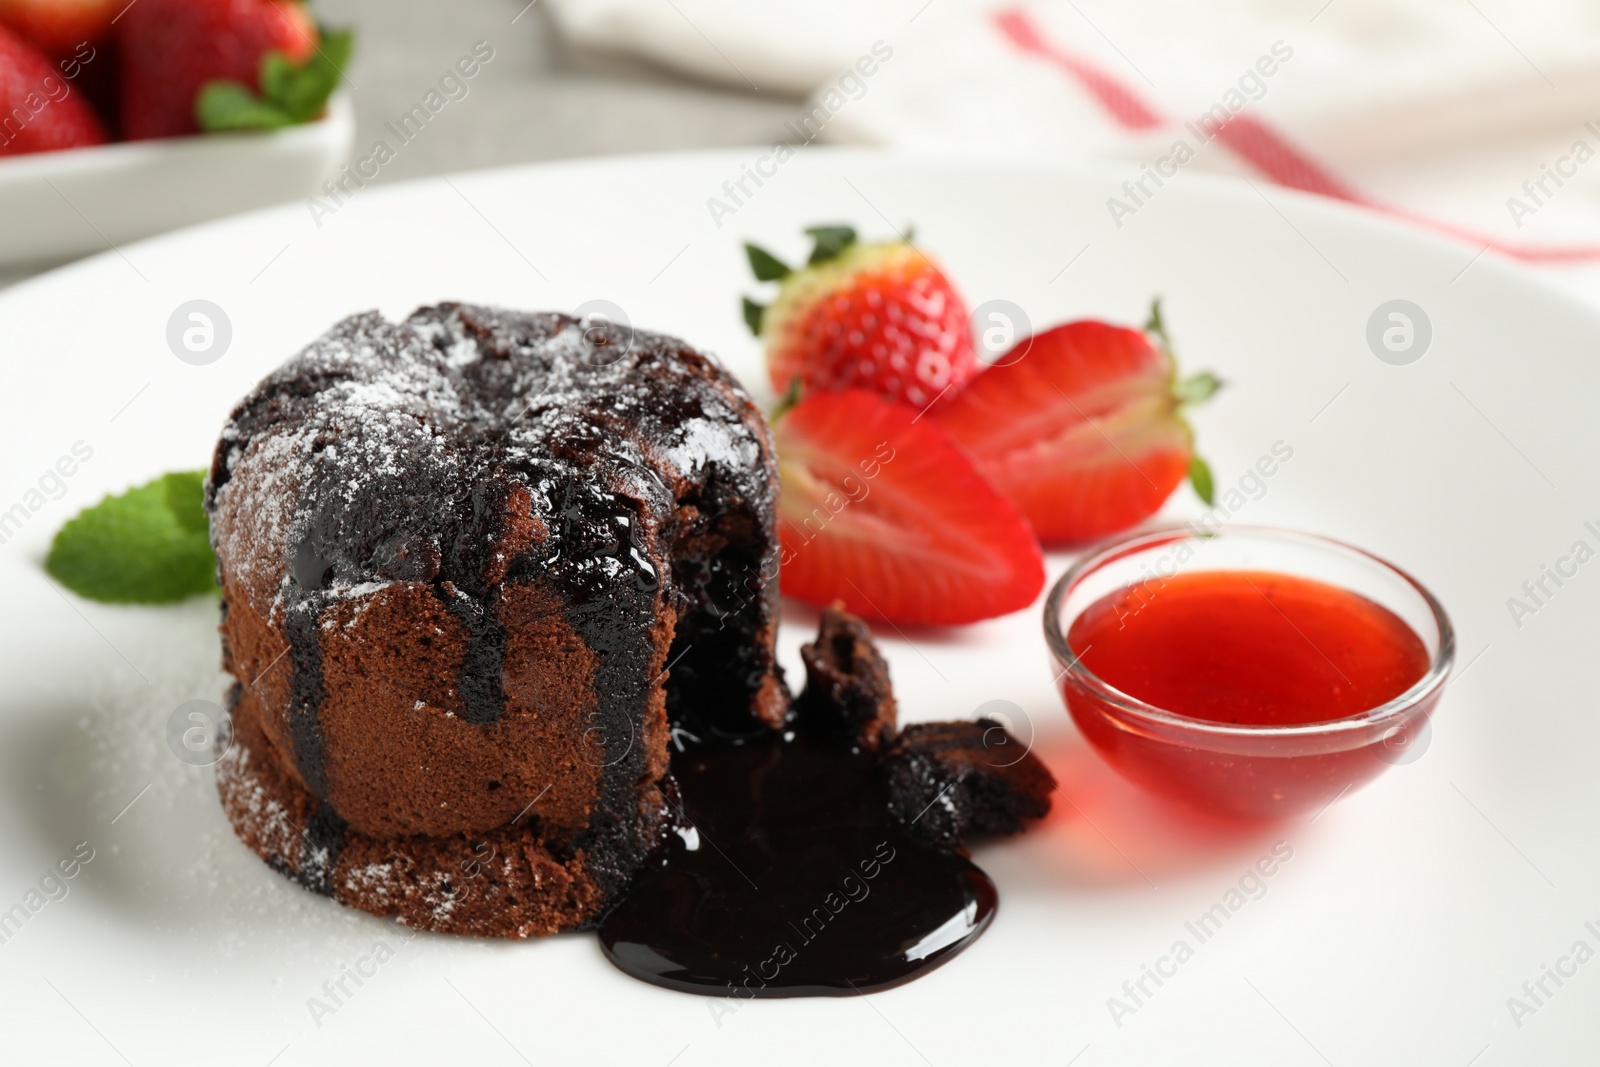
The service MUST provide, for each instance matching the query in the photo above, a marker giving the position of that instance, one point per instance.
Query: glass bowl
(1252, 771)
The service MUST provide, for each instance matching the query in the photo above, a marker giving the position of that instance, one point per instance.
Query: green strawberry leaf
(1193, 390)
(149, 545)
(291, 93)
(767, 267)
(276, 76)
(831, 241)
(304, 91)
(1200, 478)
(228, 105)
(753, 313)
(1197, 389)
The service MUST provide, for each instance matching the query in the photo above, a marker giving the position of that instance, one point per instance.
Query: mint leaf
(150, 545)
(186, 496)
(830, 241)
(291, 93)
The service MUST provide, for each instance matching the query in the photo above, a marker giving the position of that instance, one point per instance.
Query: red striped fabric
(1257, 143)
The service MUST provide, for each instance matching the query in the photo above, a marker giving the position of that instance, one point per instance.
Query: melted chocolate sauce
(303, 603)
(790, 879)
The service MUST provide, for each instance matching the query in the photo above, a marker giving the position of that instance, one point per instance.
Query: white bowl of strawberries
(120, 120)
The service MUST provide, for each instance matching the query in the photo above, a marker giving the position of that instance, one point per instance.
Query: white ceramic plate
(1407, 916)
(69, 203)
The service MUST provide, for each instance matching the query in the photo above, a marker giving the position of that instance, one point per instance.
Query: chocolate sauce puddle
(795, 880)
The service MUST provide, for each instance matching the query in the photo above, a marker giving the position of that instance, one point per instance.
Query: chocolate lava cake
(460, 557)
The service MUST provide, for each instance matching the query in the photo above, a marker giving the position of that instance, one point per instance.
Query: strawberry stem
(1186, 393)
(767, 267)
(1190, 391)
(1157, 327)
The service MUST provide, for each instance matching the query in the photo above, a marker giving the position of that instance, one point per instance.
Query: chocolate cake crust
(847, 698)
(953, 782)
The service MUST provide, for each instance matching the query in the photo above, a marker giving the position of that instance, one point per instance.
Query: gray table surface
(538, 99)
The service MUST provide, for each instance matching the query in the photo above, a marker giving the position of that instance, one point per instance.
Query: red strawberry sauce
(1242, 648)
(1249, 647)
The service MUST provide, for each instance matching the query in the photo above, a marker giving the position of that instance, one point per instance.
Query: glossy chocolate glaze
(792, 878)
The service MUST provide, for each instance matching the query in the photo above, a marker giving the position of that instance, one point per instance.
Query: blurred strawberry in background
(171, 49)
(78, 35)
(58, 27)
(80, 72)
(40, 110)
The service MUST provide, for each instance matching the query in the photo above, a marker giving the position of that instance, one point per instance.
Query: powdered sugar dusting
(242, 789)
(379, 440)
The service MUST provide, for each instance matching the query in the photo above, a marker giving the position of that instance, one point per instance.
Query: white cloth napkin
(1438, 108)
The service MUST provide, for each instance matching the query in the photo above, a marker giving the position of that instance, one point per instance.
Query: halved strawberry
(1083, 427)
(879, 509)
(880, 317)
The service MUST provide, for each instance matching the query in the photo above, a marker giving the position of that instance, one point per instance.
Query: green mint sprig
(149, 545)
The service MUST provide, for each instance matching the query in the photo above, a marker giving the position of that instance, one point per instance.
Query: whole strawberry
(1083, 427)
(172, 48)
(879, 317)
(42, 111)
